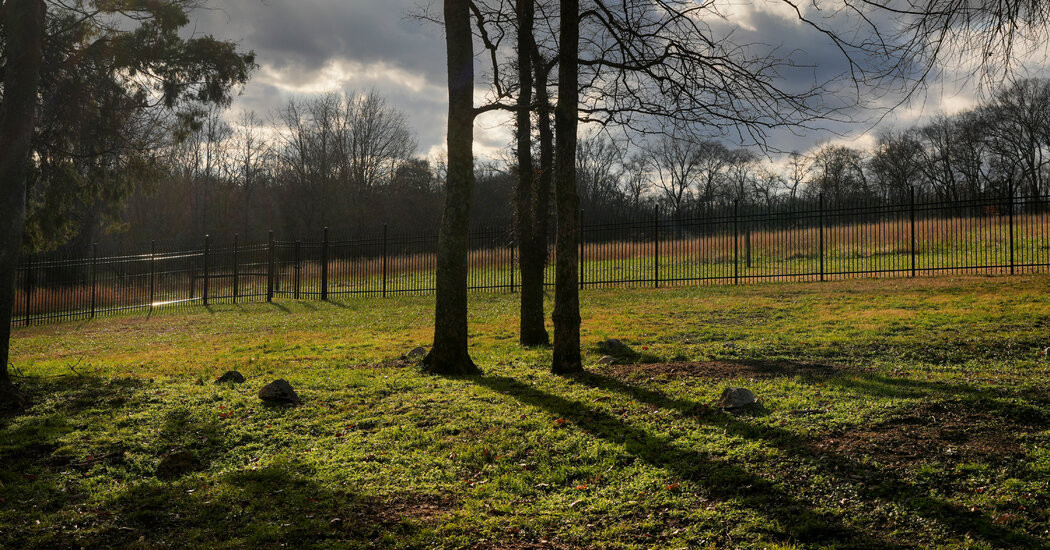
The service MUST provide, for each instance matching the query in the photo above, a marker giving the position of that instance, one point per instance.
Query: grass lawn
(893, 413)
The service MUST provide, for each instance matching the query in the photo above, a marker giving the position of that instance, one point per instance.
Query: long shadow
(873, 483)
(266, 508)
(797, 520)
(1035, 409)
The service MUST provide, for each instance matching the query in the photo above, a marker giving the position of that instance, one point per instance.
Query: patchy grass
(893, 413)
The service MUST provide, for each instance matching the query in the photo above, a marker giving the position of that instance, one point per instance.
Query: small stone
(614, 347)
(607, 360)
(230, 376)
(176, 464)
(279, 391)
(417, 353)
(736, 398)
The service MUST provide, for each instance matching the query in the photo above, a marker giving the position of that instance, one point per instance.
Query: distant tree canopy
(118, 86)
(294, 170)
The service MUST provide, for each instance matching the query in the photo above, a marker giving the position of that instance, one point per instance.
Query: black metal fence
(725, 244)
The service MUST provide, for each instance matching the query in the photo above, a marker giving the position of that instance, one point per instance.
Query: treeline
(997, 149)
(343, 161)
(349, 162)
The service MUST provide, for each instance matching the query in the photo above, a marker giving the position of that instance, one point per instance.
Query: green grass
(909, 413)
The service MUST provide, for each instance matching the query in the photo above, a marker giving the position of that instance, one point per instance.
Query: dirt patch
(745, 368)
(415, 507)
(953, 432)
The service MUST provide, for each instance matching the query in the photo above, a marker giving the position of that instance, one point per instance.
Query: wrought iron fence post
(269, 268)
(736, 242)
(384, 258)
(236, 271)
(513, 246)
(152, 271)
(580, 239)
(913, 248)
(207, 247)
(747, 246)
(821, 221)
(94, 276)
(324, 266)
(1011, 214)
(656, 247)
(298, 267)
(28, 285)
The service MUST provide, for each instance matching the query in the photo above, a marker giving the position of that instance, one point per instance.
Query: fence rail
(724, 245)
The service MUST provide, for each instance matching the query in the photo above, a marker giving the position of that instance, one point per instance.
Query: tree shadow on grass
(795, 520)
(58, 492)
(871, 483)
(1017, 405)
(274, 506)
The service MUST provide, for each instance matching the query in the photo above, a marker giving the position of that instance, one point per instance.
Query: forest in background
(350, 162)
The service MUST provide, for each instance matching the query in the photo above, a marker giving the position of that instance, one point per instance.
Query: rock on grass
(616, 348)
(736, 398)
(279, 392)
(230, 376)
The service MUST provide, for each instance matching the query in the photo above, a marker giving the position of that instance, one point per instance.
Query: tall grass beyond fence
(726, 245)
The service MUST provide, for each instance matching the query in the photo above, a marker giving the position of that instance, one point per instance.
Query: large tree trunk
(449, 354)
(24, 26)
(531, 260)
(566, 289)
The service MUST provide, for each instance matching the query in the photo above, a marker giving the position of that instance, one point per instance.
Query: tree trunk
(449, 354)
(566, 289)
(24, 26)
(531, 259)
(539, 247)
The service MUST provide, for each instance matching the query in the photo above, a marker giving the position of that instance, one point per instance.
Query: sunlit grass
(852, 377)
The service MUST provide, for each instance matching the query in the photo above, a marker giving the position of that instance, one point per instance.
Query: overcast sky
(312, 46)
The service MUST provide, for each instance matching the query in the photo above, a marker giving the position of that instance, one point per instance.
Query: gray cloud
(354, 44)
(306, 45)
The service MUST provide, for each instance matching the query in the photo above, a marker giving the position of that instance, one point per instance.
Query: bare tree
(599, 171)
(675, 165)
(252, 156)
(797, 172)
(374, 140)
(636, 184)
(712, 160)
(532, 330)
(1018, 133)
(766, 185)
(972, 151)
(449, 354)
(740, 175)
(938, 140)
(838, 173)
(896, 165)
(566, 358)
(984, 37)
